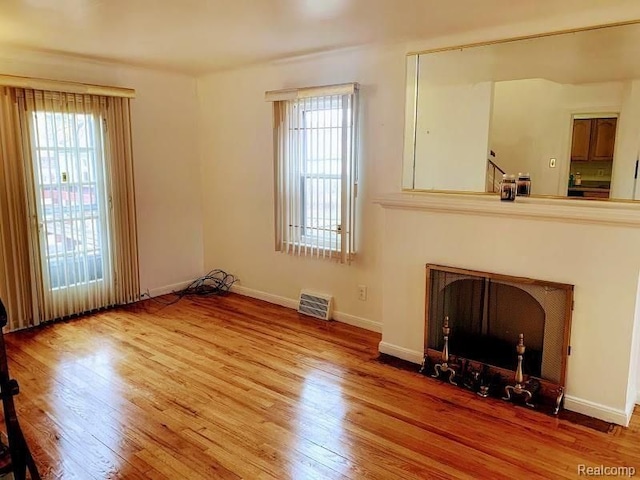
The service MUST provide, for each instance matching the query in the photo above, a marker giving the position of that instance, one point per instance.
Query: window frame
(292, 233)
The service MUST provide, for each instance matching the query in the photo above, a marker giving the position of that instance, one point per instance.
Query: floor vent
(315, 305)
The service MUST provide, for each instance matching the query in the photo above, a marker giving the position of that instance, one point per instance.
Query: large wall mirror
(564, 108)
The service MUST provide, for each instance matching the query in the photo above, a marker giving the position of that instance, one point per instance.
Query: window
(315, 166)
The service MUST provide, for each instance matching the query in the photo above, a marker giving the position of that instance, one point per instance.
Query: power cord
(216, 282)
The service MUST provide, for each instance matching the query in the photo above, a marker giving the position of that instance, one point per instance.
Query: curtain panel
(123, 202)
(15, 258)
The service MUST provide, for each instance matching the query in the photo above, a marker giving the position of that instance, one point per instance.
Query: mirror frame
(411, 112)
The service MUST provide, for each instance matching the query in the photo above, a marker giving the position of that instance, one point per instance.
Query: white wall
(165, 151)
(532, 123)
(528, 122)
(237, 183)
(527, 128)
(627, 144)
(452, 136)
(237, 174)
(633, 393)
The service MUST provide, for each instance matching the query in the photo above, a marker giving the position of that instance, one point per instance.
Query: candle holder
(444, 367)
(520, 387)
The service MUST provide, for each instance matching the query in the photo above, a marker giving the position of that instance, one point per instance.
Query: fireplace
(486, 314)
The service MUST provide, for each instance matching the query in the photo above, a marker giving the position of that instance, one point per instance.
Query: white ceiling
(198, 36)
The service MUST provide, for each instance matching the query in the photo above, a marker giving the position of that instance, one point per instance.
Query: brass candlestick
(519, 388)
(444, 367)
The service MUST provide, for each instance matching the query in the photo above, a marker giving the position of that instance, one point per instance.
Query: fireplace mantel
(543, 208)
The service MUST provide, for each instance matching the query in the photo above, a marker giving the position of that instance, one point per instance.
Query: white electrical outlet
(362, 292)
(552, 163)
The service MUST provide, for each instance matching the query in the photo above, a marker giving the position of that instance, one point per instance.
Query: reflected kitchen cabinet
(603, 139)
(593, 139)
(581, 140)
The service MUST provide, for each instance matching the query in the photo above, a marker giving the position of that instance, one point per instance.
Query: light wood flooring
(237, 388)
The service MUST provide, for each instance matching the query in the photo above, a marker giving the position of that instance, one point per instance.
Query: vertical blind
(315, 170)
(72, 207)
(120, 184)
(16, 287)
(67, 201)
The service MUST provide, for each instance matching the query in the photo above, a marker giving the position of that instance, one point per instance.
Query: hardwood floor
(237, 388)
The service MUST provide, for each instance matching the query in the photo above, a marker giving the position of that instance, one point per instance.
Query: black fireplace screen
(487, 315)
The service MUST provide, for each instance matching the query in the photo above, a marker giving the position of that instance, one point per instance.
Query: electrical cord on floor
(216, 282)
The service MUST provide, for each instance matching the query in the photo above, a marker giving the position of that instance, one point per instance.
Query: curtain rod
(298, 93)
(62, 86)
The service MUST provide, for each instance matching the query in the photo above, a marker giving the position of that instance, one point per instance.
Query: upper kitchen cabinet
(603, 139)
(581, 140)
(593, 139)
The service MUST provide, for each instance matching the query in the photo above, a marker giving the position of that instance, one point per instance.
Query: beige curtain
(15, 261)
(67, 194)
(124, 238)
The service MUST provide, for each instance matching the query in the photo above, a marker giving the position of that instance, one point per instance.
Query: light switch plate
(552, 163)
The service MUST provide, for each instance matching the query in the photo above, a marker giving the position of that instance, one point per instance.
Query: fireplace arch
(488, 311)
(486, 318)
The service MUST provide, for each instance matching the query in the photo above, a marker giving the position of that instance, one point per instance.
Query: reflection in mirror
(564, 108)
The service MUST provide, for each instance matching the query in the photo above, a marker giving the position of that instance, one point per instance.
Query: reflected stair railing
(494, 176)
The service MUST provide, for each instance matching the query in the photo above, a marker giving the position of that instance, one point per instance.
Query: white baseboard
(156, 292)
(574, 404)
(413, 356)
(596, 410)
(292, 303)
(357, 321)
(629, 413)
(267, 297)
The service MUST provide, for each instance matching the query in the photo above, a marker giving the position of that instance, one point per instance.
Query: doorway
(592, 155)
